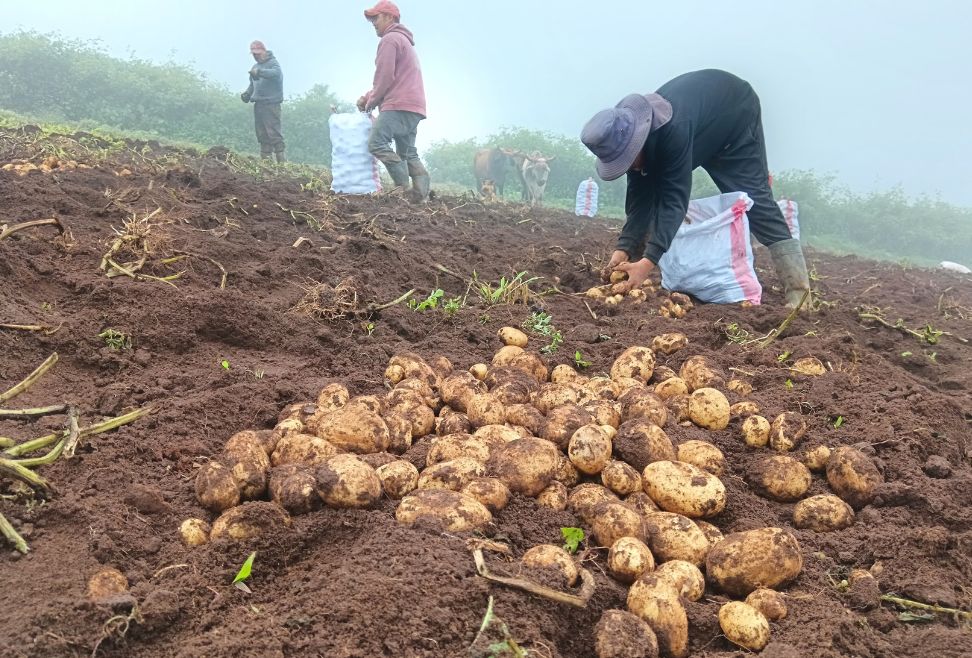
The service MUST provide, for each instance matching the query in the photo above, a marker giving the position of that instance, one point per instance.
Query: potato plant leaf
(572, 538)
(244, 573)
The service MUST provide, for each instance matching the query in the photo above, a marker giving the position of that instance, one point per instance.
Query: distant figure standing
(586, 204)
(399, 95)
(266, 94)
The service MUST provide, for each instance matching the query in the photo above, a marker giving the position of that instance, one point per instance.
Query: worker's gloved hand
(617, 258)
(362, 103)
(638, 272)
(245, 97)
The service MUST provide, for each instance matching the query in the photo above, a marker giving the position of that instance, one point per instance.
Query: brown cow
(494, 163)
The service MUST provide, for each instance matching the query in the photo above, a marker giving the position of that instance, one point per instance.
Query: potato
(610, 431)
(823, 513)
(675, 537)
(526, 466)
(504, 355)
(400, 429)
(744, 561)
(498, 375)
(246, 446)
(853, 476)
(346, 481)
(250, 521)
(585, 497)
(453, 474)
(458, 388)
(625, 383)
(769, 602)
(612, 520)
(639, 402)
(641, 502)
(678, 408)
(702, 454)
(684, 576)
(618, 276)
(669, 343)
(491, 492)
(786, 431)
(636, 362)
(709, 408)
(512, 336)
(656, 601)
(216, 487)
(744, 625)
(712, 533)
(292, 486)
(288, 426)
(485, 409)
(453, 423)
(376, 459)
(511, 392)
(809, 366)
(816, 458)
(394, 374)
(441, 366)
(671, 387)
(743, 409)
(563, 373)
(621, 478)
(621, 634)
(549, 396)
(755, 431)
(398, 478)
(779, 478)
(562, 422)
(194, 532)
(268, 439)
(449, 510)
(496, 436)
(415, 366)
(698, 372)
(567, 474)
(628, 559)
(106, 584)
(454, 446)
(354, 429)
(602, 387)
(413, 390)
(740, 387)
(531, 364)
(554, 496)
(332, 397)
(684, 489)
(479, 370)
(589, 449)
(526, 416)
(250, 476)
(548, 556)
(662, 373)
(604, 412)
(302, 449)
(640, 442)
(595, 293)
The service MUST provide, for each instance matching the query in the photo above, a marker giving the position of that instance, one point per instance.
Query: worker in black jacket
(709, 119)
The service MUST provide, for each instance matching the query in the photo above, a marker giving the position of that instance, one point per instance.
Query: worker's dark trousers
(266, 120)
(741, 167)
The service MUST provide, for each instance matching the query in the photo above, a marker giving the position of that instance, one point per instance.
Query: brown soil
(355, 583)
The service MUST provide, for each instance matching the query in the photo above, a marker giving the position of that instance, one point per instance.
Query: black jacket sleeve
(672, 188)
(639, 213)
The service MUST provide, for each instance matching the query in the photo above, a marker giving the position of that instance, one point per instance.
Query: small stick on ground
(579, 601)
(398, 300)
(775, 333)
(98, 428)
(29, 327)
(917, 605)
(7, 231)
(29, 380)
(590, 311)
(222, 281)
(446, 270)
(12, 535)
(40, 411)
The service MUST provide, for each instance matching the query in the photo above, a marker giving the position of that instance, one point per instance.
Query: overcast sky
(878, 92)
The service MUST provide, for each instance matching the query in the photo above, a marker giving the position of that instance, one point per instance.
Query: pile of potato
(671, 305)
(49, 164)
(594, 445)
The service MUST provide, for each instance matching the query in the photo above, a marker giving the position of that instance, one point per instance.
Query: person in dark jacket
(266, 94)
(709, 119)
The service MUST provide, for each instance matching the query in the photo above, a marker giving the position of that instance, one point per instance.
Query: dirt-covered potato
(354, 429)
(216, 487)
(823, 513)
(414, 366)
(458, 388)
(549, 396)
(656, 601)
(485, 409)
(786, 431)
(640, 442)
(674, 537)
(604, 412)
(744, 561)
(554, 496)
(527, 416)
(740, 387)
(346, 481)
(709, 408)
(637, 362)
(512, 336)
(454, 446)
(548, 556)
(684, 489)
(247, 446)
(292, 486)
(400, 429)
(702, 454)
(621, 478)
(376, 459)
(562, 422)
(194, 532)
(497, 436)
(769, 602)
(613, 520)
(527, 466)
(712, 533)
(585, 497)
(491, 492)
(816, 458)
(504, 356)
(532, 365)
(563, 373)
(669, 343)
(671, 387)
(810, 366)
(684, 576)
(604, 388)
(398, 478)
(589, 449)
(452, 422)
(332, 397)
(567, 474)
(449, 510)
(641, 502)
(755, 431)
(511, 392)
(639, 402)
(853, 476)
(743, 409)
(744, 625)
(628, 559)
(678, 409)
(290, 425)
(453, 474)
(625, 383)
(479, 370)
(394, 374)
(302, 449)
(250, 475)
(441, 366)
(698, 372)
(780, 478)
(250, 521)
(413, 391)
(105, 584)
(621, 634)
(662, 373)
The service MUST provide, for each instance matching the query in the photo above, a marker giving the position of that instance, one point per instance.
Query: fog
(877, 93)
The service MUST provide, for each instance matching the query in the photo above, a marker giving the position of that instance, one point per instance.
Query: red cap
(257, 45)
(383, 7)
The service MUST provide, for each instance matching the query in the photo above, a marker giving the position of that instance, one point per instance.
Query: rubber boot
(792, 270)
(266, 155)
(280, 157)
(399, 175)
(421, 182)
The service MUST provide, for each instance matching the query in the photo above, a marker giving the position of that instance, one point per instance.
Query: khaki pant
(266, 120)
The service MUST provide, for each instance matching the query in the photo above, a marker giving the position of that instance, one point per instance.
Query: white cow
(536, 171)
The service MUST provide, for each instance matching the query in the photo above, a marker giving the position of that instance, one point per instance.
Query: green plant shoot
(244, 573)
(580, 361)
(572, 538)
